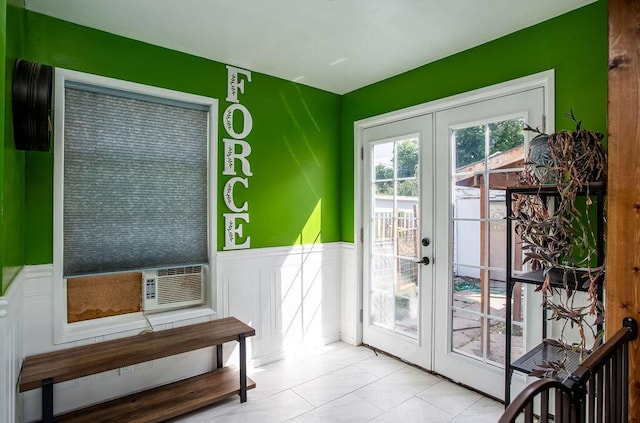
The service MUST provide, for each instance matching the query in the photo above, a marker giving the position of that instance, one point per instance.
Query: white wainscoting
(292, 296)
(37, 311)
(350, 297)
(11, 335)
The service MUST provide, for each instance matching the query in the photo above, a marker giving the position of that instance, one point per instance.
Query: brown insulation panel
(93, 297)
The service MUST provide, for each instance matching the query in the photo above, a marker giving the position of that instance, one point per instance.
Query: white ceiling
(335, 45)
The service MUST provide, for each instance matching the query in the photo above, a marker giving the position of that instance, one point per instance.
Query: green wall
(574, 44)
(12, 175)
(294, 192)
(301, 190)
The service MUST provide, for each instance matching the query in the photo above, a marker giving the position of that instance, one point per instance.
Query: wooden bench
(154, 405)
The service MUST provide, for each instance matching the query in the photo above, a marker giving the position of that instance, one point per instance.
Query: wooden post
(623, 191)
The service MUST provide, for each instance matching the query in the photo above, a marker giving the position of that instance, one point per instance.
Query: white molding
(38, 271)
(113, 325)
(4, 305)
(268, 358)
(64, 332)
(11, 341)
(348, 246)
(12, 294)
(544, 79)
(224, 256)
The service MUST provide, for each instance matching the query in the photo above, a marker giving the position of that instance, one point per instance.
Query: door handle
(425, 261)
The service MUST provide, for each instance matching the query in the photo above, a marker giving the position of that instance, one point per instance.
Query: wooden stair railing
(597, 391)
(561, 405)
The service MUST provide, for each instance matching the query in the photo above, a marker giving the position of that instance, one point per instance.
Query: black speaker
(31, 99)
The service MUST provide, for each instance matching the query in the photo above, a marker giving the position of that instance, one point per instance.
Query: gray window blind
(135, 183)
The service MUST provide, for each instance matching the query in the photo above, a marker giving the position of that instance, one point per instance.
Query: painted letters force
(236, 150)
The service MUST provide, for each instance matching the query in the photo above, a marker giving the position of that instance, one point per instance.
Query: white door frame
(416, 350)
(543, 79)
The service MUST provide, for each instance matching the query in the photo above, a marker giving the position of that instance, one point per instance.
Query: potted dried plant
(559, 236)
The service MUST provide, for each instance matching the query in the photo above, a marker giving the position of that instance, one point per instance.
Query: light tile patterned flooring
(342, 383)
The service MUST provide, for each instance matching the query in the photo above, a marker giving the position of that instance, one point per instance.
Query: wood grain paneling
(623, 226)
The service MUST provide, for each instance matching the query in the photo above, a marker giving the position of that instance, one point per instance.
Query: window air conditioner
(175, 287)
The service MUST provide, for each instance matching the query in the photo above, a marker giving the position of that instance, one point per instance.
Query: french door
(397, 303)
(483, 147)
(433, 234)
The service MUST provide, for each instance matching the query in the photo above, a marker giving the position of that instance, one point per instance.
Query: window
(134, 179)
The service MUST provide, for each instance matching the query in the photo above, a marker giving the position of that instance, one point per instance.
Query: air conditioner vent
(188, 270)
(173, 288)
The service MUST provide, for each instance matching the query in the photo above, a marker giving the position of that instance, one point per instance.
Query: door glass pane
(506, 137)
(495, 348)
(498, 294)
(467, 333)
(488, 158)
(407, 153)
(465, 233)
(470, 147)
(395, 236)
(382, 308)
(497, 241)
(466, 288)
(466, 200)
(406, 314)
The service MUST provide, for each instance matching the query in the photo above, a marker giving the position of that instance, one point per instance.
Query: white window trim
(68, 332)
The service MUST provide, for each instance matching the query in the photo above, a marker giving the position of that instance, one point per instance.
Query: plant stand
(544, 352)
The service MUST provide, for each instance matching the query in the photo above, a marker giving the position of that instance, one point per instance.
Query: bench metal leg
(47, 400)
(243, 368)
(219, 356)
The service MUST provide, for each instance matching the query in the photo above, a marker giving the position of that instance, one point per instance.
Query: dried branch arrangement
(559, 233)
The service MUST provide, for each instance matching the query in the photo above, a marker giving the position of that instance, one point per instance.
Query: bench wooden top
(72, 363)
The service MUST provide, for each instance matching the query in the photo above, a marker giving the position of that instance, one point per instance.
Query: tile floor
(342, 383)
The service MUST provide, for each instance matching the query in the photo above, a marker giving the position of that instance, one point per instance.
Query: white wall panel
(291, 296)
(350, 297)
(37, 310)
(11, 335)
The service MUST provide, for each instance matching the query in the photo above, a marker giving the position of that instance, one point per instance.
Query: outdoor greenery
(470, 148)
(503, 135)
(407, 166)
